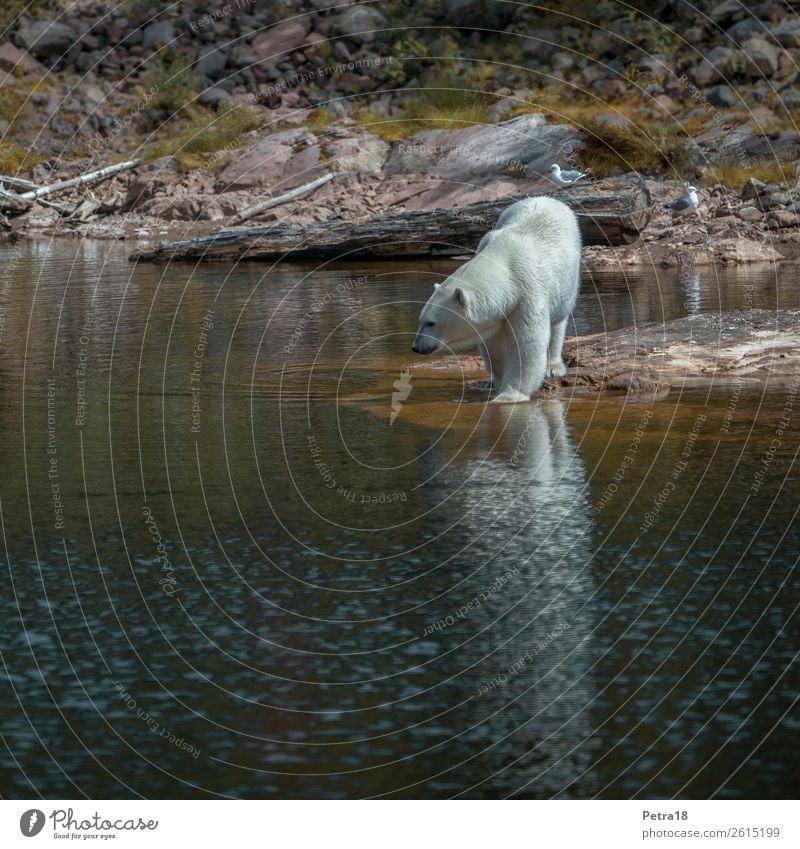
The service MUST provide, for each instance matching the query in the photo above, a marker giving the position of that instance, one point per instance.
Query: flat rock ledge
(752, 347)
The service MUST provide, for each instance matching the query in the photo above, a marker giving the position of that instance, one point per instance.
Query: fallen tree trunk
(253, 211)
(611, 212)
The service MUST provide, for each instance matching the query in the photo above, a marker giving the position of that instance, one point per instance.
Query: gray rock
(722, 96)
(612, 119)
(562, 61)
(478, 14)
(748, 28)
(713, 68)
(45, 39)
(480, 154)
(211, 62)
(787, 33)
(157, 34)
(750, 213)
(541, 44)
(727, 12)
(761, 58)
(358, 151)
(213, 96)
(359, 23)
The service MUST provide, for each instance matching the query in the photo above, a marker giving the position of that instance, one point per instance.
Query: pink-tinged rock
(277, 163)
(782, 218)
(522, 148)
(277, 42)
(13, 61)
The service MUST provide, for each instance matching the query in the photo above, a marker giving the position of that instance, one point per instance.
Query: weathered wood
(611, 212)
(253, 211)
(84, 180)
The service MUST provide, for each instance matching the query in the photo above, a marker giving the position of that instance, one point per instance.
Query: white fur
(512, 299)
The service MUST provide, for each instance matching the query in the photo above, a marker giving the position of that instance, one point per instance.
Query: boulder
(280, 40)
(213, 96)
(748, 28)
(727, 12)
(357, 151)
(46, 39)
(13, 61)
(479, 153)
(750, 213)
(713, 68)
(761, 58)
(787, 33)
(722, 96)
(753, 189)
(149, 180)
(278, 162)
(779, 218)
(211, 62)
(359, 23)
(158, 34)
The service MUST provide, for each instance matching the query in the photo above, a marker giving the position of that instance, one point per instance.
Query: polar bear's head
(445, 322)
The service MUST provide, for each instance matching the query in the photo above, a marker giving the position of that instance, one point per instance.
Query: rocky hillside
(415, 103)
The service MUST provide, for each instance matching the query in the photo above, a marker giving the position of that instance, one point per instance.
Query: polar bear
(512, 299)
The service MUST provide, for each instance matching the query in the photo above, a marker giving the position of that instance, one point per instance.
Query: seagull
(682, 206)
(565, 178)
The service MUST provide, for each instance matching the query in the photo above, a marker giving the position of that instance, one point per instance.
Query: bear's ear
(436, 286)
(461, 296)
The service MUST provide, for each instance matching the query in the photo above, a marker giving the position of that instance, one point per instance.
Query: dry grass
(19, 161)
(732, 174)
(209, 140)
(441, 107)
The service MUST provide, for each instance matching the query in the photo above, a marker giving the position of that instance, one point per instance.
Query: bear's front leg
(524, 364)
(493, 351)
(555, 364)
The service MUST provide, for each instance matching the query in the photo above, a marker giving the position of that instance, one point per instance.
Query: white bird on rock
(683, 206)
(565, 178)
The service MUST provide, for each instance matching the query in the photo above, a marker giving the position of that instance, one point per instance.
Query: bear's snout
(424, 345)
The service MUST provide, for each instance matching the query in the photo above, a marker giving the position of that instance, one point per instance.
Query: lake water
(235, 568)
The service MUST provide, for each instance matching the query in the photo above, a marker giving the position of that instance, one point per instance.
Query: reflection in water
(527, 503)
(231, 573)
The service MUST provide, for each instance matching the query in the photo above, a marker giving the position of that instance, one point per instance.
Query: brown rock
(14, 61)
(752, 189)
(279, 41)
(280, 161)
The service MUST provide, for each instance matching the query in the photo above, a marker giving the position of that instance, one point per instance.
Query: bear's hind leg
(555, 364)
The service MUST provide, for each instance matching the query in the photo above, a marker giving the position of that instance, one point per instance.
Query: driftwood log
(611, 212)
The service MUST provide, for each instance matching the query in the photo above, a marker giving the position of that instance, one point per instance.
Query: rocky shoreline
(750, 348)
(231, 105)
(373, 179)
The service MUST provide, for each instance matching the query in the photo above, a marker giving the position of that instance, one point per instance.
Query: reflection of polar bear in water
(531, 655)
(512, 299)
